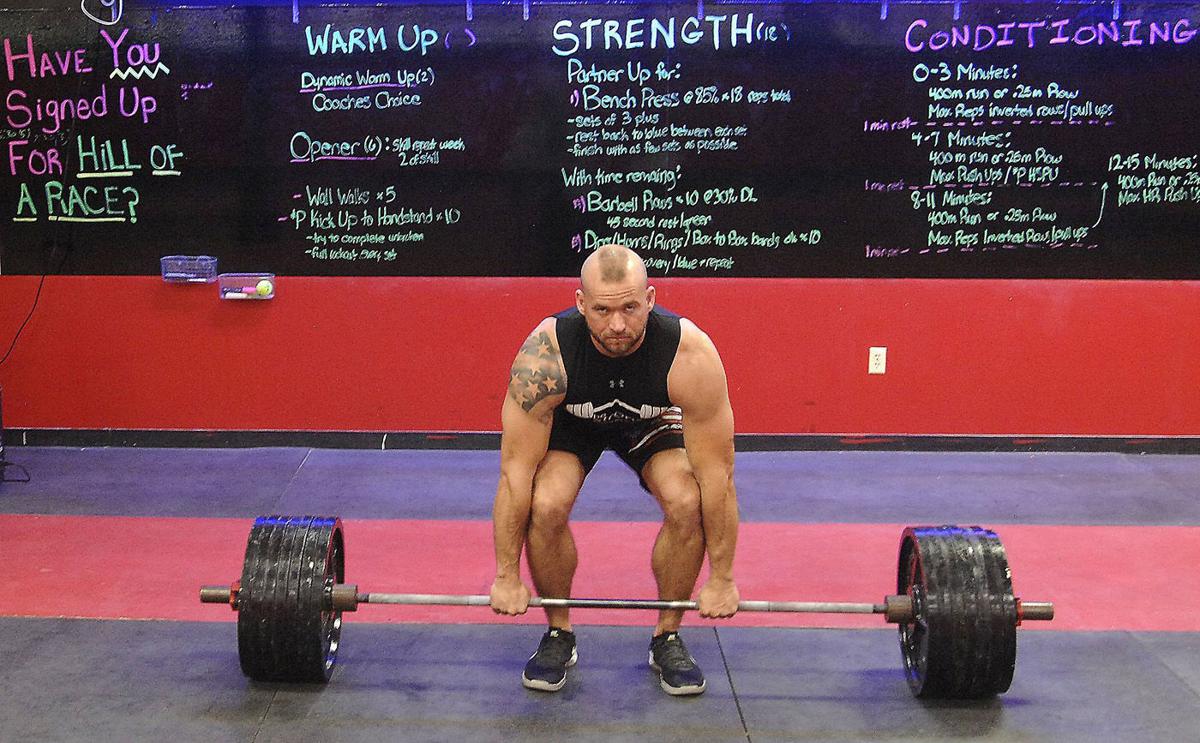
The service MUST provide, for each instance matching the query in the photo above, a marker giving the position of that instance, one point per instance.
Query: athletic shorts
(634, 443)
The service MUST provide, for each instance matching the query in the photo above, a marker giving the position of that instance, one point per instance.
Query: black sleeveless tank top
(622, 390)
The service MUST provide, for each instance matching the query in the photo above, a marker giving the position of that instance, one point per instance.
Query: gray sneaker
(677, 670)
(547, 668)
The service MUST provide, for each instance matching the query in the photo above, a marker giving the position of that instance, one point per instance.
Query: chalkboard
(787, 140)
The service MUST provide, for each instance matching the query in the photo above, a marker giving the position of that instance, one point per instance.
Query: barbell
(954, 605)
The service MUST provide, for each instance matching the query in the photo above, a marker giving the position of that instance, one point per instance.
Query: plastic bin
(189, 269)
(246, 285)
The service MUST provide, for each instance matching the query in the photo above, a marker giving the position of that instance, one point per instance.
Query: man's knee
(678, 494)
(549, 511)
(555, 487)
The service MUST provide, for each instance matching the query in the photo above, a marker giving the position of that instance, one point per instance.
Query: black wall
(1072, 159)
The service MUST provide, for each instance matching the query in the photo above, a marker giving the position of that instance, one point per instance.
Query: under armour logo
(615, 383)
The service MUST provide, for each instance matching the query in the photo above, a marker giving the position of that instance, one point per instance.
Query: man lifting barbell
(616, 372)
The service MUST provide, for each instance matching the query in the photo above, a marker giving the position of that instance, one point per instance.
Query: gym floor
(102, 637)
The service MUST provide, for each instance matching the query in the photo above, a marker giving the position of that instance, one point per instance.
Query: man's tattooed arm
(537, 373)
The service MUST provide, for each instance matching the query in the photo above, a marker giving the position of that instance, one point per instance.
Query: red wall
(394, 354)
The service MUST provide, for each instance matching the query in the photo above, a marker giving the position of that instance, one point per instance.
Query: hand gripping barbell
(954, 605)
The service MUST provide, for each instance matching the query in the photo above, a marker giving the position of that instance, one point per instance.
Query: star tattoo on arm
(537, 373)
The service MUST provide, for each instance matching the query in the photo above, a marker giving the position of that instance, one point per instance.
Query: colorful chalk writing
(366, 79)
(338, 221)
(717, 30)
(921, 35)
(1003, 173)
(1154, 178)
(630, 114)
(757, 139)
(339, 98)
(414, 38)
(104, 12)
(60, 166)
(408, 151)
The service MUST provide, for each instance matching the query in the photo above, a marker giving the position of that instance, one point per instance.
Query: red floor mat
(1100, 577)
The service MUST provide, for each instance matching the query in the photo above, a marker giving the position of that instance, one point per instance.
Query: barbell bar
(954, 605)
(895, 608)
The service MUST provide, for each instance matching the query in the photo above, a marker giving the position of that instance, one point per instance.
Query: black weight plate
(262, 636)
(334, 572)
(286, 632)
(253, 622)
(961, 643)
(306, 609)
(286, 611)
(319, 634)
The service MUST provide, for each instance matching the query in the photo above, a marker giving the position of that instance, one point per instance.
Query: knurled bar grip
(435, 599)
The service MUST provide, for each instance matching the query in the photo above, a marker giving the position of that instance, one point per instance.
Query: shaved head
(615, 298)
(612, 264)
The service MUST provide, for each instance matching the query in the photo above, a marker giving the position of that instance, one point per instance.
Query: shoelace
(555, 648)
(673, 654)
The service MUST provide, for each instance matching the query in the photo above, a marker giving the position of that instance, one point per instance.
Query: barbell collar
(345, 597)
(898, 609)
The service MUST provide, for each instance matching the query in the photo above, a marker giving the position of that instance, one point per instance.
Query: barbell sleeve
(1042, 611)
(217, 594)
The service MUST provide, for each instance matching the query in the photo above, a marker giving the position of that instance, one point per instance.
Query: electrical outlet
(877, 360)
